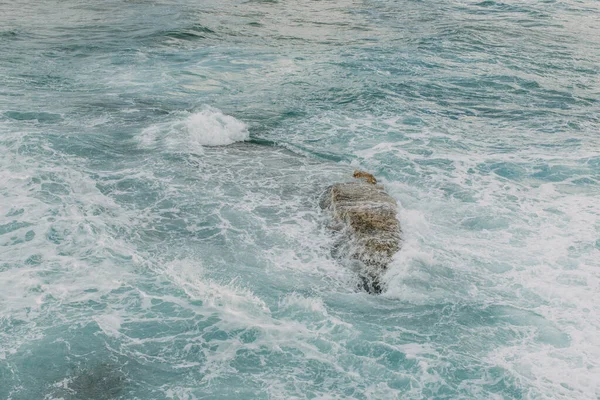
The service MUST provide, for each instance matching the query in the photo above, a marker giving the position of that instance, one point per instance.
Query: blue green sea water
(160, 168)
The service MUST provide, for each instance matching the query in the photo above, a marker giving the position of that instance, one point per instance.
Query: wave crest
(191, 132)
(210, 127)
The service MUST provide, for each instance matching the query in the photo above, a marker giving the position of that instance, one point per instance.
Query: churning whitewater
(161, 166)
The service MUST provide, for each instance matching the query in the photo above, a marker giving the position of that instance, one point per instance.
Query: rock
(367, 177)
(365, 215)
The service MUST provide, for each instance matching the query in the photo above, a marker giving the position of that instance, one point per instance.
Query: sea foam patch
(190, 132)
(210, 127)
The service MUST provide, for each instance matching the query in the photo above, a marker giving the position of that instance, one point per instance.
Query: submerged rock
(370, 231)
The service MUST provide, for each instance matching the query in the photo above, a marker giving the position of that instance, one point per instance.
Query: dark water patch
(552, 173)
(8, 34)
(42, 117)
(263, 142)
(507, 170)
(311, 151)
(13, 226)
(45, 81)
(585, 181)
(15, 211)
(99, 382)
(497, 7)
(592, 162)
(193, 32)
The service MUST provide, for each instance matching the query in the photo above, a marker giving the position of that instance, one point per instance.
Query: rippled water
(138, 261)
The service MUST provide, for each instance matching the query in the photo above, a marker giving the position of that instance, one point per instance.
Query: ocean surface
(160, 169)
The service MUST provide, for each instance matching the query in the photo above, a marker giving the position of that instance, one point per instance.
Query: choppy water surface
(139, 261)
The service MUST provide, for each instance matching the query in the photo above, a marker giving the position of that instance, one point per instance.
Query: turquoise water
(160, 168)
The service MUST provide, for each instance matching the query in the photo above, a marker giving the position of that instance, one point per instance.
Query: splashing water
(160, 170)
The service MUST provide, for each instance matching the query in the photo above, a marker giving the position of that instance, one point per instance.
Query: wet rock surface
(366, 217)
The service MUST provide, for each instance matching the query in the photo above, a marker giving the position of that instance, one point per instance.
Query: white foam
(311, 304)
(210, 127)
(190, 132)
(109, 323)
